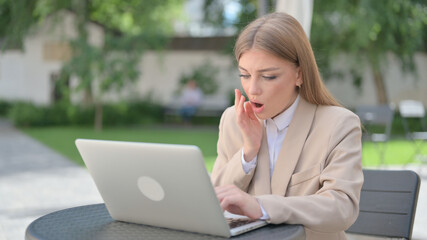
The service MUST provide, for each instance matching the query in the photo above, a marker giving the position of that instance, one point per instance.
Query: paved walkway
(34, 181)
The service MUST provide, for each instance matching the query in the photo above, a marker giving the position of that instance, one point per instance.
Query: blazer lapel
(261, 179)
(292, 146)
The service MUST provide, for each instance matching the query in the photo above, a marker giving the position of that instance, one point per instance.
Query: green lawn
(62, 139)
(397, 152)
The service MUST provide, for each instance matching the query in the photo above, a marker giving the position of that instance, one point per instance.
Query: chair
(415, 111)
(377, 121)
(387, 204)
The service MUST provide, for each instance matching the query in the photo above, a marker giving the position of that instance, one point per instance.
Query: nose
(254, 87)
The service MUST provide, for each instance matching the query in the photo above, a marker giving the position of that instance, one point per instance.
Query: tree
(364, 30)
(367, 31)
(130, 26)
(204, 75)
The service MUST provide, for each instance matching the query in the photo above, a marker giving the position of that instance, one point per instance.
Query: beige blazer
(318, 174)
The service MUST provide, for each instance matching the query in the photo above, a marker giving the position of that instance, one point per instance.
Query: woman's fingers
(229, 198)
(236, 201)
(237, 95)
(243, 108)
(239, 99)
(242, 103)
(238, 102)
(249, 125)
(250, 111)
(240, 110)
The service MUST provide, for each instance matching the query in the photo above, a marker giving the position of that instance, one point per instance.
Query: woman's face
(270, 82)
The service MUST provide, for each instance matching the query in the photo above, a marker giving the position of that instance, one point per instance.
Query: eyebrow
(262, 70)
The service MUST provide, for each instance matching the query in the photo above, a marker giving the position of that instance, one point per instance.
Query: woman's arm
(240, 134)
(228, 165)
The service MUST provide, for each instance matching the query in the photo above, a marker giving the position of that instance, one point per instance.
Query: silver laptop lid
(161, 185)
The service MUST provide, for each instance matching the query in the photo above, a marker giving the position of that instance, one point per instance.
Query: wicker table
(94, 222)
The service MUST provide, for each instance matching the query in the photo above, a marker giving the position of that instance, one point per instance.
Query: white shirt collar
(283, 120)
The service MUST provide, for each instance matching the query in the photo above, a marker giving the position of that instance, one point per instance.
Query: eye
(269, 77)
(244, 76)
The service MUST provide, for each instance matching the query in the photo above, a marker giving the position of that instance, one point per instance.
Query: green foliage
(247, 14)
(368, 30)
(136, 17)
(130, 27)
(16, 17)
(26, 114)
(205, 77)
(4, 107)
(214, 16)
(365, 30)
(134, 113)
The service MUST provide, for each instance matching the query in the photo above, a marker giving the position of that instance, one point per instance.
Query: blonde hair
(281, 35)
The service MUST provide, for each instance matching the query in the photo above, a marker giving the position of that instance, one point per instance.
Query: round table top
(94, 222)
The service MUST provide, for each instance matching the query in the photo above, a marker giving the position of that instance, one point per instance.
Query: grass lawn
(397, 152)
(62, 139)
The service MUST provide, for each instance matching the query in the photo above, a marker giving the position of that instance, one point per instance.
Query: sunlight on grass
(397, 152)
(209, 161)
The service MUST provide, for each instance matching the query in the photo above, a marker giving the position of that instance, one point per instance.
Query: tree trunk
(87, 97)
(262, 8)
(382, 97)
(98, 116)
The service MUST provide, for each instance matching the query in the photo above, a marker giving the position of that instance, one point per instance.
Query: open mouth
(258, 108)
(257, 105)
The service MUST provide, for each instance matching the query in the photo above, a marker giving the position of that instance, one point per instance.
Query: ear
(299, 76)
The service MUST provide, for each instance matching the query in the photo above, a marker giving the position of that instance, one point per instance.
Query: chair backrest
(387, 203)
(411, 109)
(381, 115)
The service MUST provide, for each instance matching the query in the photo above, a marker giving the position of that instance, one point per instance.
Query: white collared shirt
(276, 129)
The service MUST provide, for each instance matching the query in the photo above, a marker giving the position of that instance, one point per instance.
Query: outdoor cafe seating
(414, 112)
(377, 121)
(388, 203)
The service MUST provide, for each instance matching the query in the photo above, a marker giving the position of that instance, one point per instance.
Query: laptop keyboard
(237, 222)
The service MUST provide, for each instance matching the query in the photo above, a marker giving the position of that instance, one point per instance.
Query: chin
(262, 116)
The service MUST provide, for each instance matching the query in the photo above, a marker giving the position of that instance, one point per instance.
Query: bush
(137, 112)
(26, 114)
(4, 107)
(131, 113)
(57, 114)
(78, 115)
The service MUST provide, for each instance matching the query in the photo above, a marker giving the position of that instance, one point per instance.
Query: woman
(291, 154)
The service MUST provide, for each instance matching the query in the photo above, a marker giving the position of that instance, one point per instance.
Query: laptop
(163, 185)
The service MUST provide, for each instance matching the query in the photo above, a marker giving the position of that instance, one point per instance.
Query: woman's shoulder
(336, 113)
(229, 112)
(228, 116)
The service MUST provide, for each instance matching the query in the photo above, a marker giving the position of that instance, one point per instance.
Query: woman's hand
(249, 125)
(236, 201)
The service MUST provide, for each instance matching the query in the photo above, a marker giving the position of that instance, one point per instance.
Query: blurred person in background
(190, 99)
